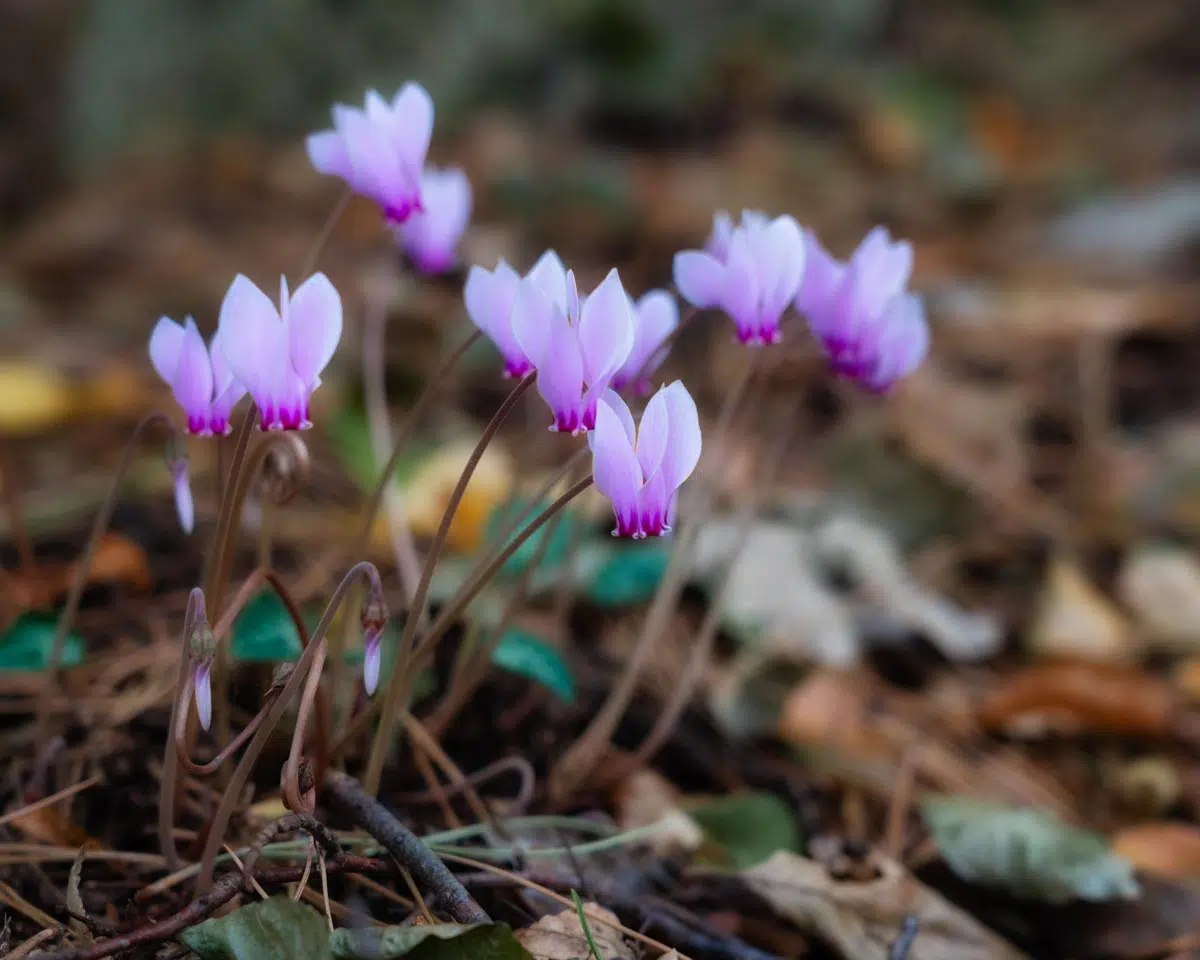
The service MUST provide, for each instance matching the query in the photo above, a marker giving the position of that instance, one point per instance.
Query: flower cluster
(582, 347)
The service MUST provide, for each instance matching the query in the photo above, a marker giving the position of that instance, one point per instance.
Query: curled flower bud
(202, 648)
(374, 619)
(177, 464)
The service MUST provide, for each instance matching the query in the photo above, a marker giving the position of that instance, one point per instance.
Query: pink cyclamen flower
(490, 295)
(202, 381)
(577, 346)
(379, 150)
(870, 328)
(751, 271)
(430, 237)
(640, 469)
(656, 315)
(279, 353)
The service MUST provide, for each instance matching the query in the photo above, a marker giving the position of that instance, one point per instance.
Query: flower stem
(322, 238)
(82, 570)
(701, 646)
(232, 794)
(580, 758)
(476, 581)
(175, 751)
(397, 685)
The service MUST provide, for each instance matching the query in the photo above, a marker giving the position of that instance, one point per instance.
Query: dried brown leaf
(861, 920)
(560, 936)
(1168, 849)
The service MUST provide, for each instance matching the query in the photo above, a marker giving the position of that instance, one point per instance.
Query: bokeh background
(1032, 493)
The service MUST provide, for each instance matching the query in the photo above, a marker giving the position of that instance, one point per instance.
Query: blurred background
(1031, 494)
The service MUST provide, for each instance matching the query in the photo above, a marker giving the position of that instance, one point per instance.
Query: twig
(33, 943)
(409, 850)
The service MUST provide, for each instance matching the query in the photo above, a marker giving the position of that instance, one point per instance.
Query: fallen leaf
(646, 798)
(1168, 849)
(861, 920)
(34, 398)
(1028, 852)
(1075, 620)
(1080, 697)
(428, 941)
(117, 560)
(275, 929)
(47, 825)
(428, 491)
(560, 936)
(1161, 586)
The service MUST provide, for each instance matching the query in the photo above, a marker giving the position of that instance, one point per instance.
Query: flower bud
(177, 464)
(374, 619)
(202, 648)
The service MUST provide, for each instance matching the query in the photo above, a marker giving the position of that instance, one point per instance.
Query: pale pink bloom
(871, 329)
(640, 469)
(490, 295)
(430, 237)
(203, 383)
(576, 345)
(656, 315)
(751, 271)
(279, 353)
(379, 150)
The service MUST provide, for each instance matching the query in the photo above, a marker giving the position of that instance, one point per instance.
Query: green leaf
(561, 534)
(275, 929)
(1028, 852)
(28, 642)
(628, 575)
(264, 633)
(351, 435)
(747, 828)
(436, 941)
(530, 656)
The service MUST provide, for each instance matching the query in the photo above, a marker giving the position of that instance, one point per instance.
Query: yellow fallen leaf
(32, 397)
(431, 485)
(1076, 620)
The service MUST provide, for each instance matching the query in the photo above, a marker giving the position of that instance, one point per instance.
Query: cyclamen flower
(201, 379)
(379, 150)
(279, 353)
(576, 346)
(751, 271)
(871, 330)
(431, 235)
(656, 315)
(640, 469)
(490, 295)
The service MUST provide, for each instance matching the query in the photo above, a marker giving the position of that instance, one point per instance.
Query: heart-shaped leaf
(530, 656)
(28, 642)
(435, 941)
(275, 929)
(745, 829)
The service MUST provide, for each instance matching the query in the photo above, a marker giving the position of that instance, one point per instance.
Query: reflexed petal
(605, 332)
(166, 342)
(489, 298)
(534, 317)
(252, 337)
(202, 689)
(375, 168)
(551, 276)
(431, 237)
(718, 240)
(741, 295)
(903, 343)
(192, 381)
(560, 376)
(822, 274)
(327, 152)
(700, 278)
(683, 440)
(652, 434)
(314, 320)
(785, 236)
(656, 315)
(614, 463)
(412, 123)
(621, 409)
